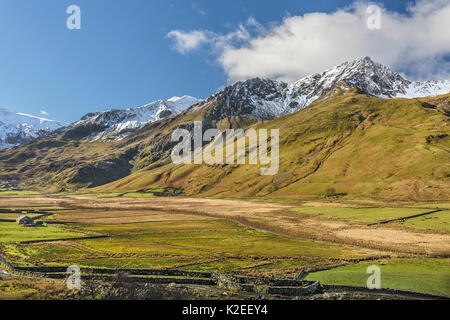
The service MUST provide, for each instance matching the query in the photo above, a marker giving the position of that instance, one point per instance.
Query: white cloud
(45, 113)
(417, 43)
(188, 41)
(197, 9)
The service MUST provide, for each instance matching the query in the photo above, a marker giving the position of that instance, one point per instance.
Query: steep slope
(256, 100)
(18, 128)
(350, 145)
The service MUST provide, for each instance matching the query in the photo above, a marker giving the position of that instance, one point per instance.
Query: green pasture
(12, 232)
(430, 276)
(368, 215)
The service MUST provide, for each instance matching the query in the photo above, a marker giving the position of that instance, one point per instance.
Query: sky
(131, 52)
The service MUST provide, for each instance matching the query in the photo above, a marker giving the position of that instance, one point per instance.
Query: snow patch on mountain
(371, 78)
(425, 88)
(260, 98)
(269, 99)
(118, 123)
(17, 128)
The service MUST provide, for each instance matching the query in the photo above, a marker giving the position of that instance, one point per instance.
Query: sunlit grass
(416, 274)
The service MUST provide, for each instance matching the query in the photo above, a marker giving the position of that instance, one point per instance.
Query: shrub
(330, 192)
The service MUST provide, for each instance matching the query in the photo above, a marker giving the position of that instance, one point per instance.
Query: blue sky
(122, 56)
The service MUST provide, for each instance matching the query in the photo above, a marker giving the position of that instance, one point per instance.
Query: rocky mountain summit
(268, 99)
(349, 100)
(258, 99)
(369, 77)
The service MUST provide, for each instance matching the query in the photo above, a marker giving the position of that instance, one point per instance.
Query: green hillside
(344, 145)
(349, 145)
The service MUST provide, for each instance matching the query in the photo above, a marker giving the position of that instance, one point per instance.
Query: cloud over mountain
(416, 43)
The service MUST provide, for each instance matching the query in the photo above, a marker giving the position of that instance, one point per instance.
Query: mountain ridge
(268, 99)
(348, 145)
(69, 161)
(106, 125)
(115, 124)
(17, 128)
(257, 99)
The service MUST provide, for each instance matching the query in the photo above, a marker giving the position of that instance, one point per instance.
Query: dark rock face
(83, 130)
(441, 105)
(245, 99)
(101, 172)
(166, 114)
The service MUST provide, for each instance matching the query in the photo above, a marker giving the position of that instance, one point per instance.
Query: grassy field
(368, 215)
(213, 245)
(12, 232)
(17, 193)
(436, 221)
(187, 234)
(420, 275)
(14, 216)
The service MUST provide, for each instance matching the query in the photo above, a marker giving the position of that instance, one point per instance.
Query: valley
(244, 238)
(361, 182)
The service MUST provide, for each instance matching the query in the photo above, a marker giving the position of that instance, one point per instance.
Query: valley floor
(334, 241)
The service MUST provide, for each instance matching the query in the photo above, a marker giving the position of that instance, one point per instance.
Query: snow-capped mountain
(268, 99)
(118, 123)
(18, 128)
(371, 78)
(258, 98)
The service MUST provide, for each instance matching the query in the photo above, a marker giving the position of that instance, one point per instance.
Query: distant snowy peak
(425, 88)
(371, 78)
(118, 123)
(18, 128)
(268, 99)
(183, 102)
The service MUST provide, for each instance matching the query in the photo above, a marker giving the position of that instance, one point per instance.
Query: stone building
(25, 221)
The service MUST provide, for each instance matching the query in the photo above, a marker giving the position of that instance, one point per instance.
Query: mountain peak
(364, 60)
(267, 99)
(17, 128)
(253, 98)
(185, 97)
(118, 123)
(370, 77)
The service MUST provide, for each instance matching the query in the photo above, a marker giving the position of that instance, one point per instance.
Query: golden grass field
(290, 221)
(247, 237)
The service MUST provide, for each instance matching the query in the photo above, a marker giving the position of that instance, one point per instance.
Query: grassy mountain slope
(67, 161)
(54, 164)
(346, 145)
